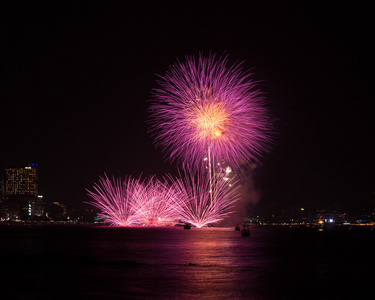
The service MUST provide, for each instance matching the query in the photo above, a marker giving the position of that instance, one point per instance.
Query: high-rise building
(20, 192)
(22, 181)
(2, 196)
(2, 189)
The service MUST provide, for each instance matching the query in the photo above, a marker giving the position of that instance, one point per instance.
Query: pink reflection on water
(219, 263)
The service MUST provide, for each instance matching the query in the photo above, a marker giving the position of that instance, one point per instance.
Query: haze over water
(90, 262)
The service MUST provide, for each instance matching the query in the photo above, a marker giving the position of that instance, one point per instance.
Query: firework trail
(200, 207)
(204, 108)
(154, 203)
(115, 200)
(133, 202)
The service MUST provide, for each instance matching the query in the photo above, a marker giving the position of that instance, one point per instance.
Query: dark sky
(77, 76)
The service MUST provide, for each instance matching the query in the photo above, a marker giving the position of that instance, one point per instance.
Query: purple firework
(203, 201)
(154, 203)
(133, 202)
(204, 108)
(115, 200)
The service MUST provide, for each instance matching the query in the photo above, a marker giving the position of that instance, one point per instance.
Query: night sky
(77, 76)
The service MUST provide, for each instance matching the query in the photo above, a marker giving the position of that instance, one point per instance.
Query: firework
(115, 200)
(133, 202)
(200, 204)
(206, 109)
(154, 203)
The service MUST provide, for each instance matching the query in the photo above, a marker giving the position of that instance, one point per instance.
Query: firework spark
(115, 200)
(154, 203)
(134, 202)
(201, 205)
(206, 108)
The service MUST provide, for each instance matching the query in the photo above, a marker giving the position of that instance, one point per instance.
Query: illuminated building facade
(2, 196)
(21, 181)
(2, 189)
(19, 190)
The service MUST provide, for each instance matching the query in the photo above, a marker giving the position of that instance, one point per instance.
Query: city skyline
(78, 79)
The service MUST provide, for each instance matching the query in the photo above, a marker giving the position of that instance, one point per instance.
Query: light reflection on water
(211, 262)
(173, 263)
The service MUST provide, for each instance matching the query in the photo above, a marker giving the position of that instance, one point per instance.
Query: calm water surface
(78, 262)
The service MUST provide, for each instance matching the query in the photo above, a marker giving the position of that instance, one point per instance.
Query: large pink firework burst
(202, 201)
(205, 108)
(134, 202)
(114, 198)
(154, 203)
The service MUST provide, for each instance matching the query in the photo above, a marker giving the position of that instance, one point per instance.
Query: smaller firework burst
(134, 202)
(194, 199)
(154, 203)
(115, 200)
(201, 202)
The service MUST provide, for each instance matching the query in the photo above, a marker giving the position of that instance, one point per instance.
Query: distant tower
(20, 191)
(22, 181)
(2, 195)
(2, 187)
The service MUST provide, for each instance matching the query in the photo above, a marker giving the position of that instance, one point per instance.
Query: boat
(237, 228)
(187, 226)
(245, 231)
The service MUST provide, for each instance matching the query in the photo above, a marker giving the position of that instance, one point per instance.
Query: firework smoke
(250, 196)
(205, 108)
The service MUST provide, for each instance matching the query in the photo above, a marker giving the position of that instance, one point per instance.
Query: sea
(101, 262)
